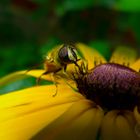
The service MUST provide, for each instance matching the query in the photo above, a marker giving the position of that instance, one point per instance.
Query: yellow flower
(34, 113)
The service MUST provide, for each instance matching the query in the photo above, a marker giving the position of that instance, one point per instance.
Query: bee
(58, 59)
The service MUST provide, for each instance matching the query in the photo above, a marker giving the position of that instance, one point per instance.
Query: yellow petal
(29, 95)
(118, 125)
(80, 122)
(137, 117)
(25, 112)
(91, 55)
(137, 114)
(124, 55)
(136, 65)
(21, 75)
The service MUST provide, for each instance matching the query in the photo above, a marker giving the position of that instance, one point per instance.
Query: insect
(58, 59)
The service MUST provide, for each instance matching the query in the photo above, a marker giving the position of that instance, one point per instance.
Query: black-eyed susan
(81, 114)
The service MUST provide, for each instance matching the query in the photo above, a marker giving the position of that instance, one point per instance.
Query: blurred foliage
(29, 28)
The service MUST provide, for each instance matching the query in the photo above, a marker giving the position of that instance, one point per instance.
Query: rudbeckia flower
(104, 106)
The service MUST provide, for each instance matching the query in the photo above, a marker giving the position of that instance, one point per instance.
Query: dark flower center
(112, 86)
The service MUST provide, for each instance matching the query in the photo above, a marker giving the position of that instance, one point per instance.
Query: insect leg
(65, 67)
(39, 78)
(68, 76)
(55, 83)
(54, 80)
(74, 88)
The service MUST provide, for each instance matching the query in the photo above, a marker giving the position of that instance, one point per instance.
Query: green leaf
(51, 43)
(106, 3)
(40, 1)
(76, 4)
(128, 5)
(130, 22)
(103, 47)
(72, 5)
(17, 85)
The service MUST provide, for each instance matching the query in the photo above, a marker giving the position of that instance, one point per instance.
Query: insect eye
(67, 54)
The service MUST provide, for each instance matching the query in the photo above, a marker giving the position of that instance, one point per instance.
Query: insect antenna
(35, 66)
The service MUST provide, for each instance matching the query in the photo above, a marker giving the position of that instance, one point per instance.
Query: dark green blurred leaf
(72, 5)
(40, 1)
(17, 85)
(10, 33)
(107, 3)
(128, 5)
(22, 84)
(51, 43)
(19, 56)
(130, 21)
(103, 47)
(76, 4)
(5, 2)
(39, 14)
